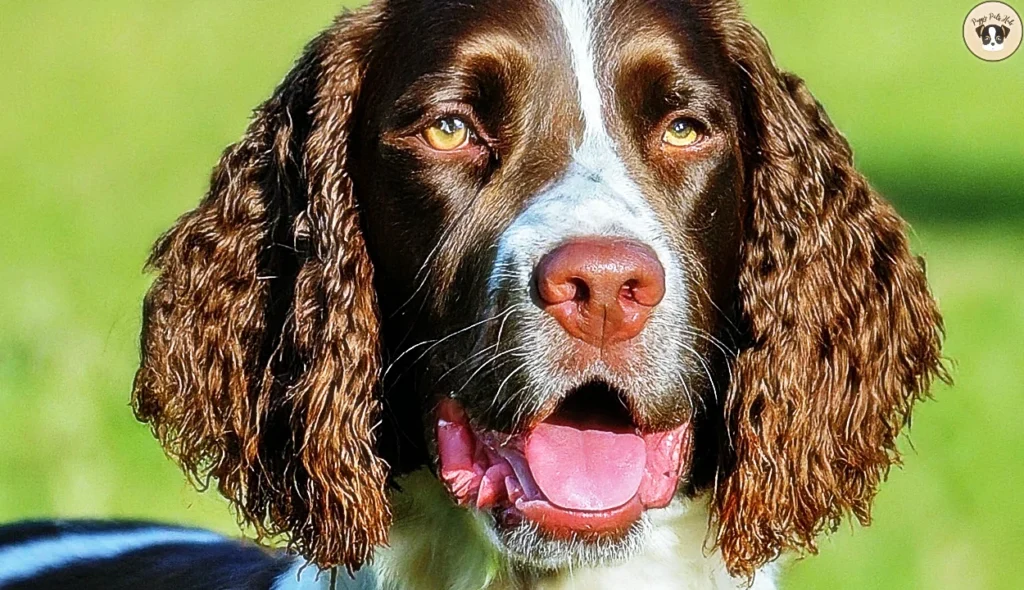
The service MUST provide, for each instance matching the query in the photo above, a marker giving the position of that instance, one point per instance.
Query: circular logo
(992, 31)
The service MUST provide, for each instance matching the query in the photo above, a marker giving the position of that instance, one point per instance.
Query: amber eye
(682, 132)
(447, 134)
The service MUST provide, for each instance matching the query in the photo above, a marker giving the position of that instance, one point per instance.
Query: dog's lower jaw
(436, 544)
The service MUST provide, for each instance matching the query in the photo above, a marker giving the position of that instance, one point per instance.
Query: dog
(534, 294)
(992, 36)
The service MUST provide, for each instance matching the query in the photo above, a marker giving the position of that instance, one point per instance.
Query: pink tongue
(590, 470)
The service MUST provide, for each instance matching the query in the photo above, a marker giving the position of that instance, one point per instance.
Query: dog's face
(566, 181)
(992, 36)
(579, 256)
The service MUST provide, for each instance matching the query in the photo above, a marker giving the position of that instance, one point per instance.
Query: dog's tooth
(513, 489)
(492, 490)
(455, 446)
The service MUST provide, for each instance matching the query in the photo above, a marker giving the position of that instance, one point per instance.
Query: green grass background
(112, 114)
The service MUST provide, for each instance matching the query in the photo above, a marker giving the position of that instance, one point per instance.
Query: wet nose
(601, 290)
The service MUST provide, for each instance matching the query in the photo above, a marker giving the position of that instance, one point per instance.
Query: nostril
(648, 290)
(582, 294)
(555, 288)
(628, 291)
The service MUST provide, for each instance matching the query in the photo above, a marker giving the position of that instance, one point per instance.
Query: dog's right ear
(980, 30)
(1006, 30)
(259, 360)
(842, 333)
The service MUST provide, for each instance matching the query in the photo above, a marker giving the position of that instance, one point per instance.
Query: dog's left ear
(260, 334)
(842, 334)
(979, 30)
(1006, 30)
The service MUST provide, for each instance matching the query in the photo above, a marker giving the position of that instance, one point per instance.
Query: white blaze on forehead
(597, 152)
(595, 196)
(596, 156)
(577, 19)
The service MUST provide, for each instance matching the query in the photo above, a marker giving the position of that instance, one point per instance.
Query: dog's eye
(682, 132)
(447, 134)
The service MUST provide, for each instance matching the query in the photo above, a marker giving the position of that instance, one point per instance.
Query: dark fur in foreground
(219, 565)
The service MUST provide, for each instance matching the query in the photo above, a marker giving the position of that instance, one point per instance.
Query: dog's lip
(560, 523)
(490, 470)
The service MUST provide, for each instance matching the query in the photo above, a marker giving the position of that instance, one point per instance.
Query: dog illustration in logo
(993, 36)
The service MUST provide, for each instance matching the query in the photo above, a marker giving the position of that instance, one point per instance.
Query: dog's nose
(601, 290)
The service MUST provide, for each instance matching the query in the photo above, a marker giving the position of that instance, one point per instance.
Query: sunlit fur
(844, 334)
(260, 335)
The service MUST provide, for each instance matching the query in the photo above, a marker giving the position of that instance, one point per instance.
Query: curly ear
(843, 335)
(260, 334)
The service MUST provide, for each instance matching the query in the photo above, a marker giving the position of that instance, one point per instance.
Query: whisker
(464, 362)
(435, 343)
(706, 367)
(721, 311)
(483, 365)
(722, 347)
(501, 328)
(425, 269)
(497, 394)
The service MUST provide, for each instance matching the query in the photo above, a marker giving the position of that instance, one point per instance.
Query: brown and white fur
(351, 300)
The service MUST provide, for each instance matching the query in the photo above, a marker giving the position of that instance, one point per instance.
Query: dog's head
(992, 36)
(580, 256)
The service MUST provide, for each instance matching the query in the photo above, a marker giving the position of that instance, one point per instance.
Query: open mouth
(585, 470)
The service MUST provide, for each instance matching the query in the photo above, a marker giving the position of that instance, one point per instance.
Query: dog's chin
(531, 548)
(992, 47)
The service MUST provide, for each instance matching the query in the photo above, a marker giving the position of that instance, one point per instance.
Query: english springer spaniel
(522, 294)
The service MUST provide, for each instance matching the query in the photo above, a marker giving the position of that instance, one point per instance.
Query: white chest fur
(435, 545)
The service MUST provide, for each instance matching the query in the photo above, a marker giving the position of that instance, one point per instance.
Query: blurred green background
(113, 113)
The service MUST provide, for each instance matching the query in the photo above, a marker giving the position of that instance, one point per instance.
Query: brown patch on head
(502, 66)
